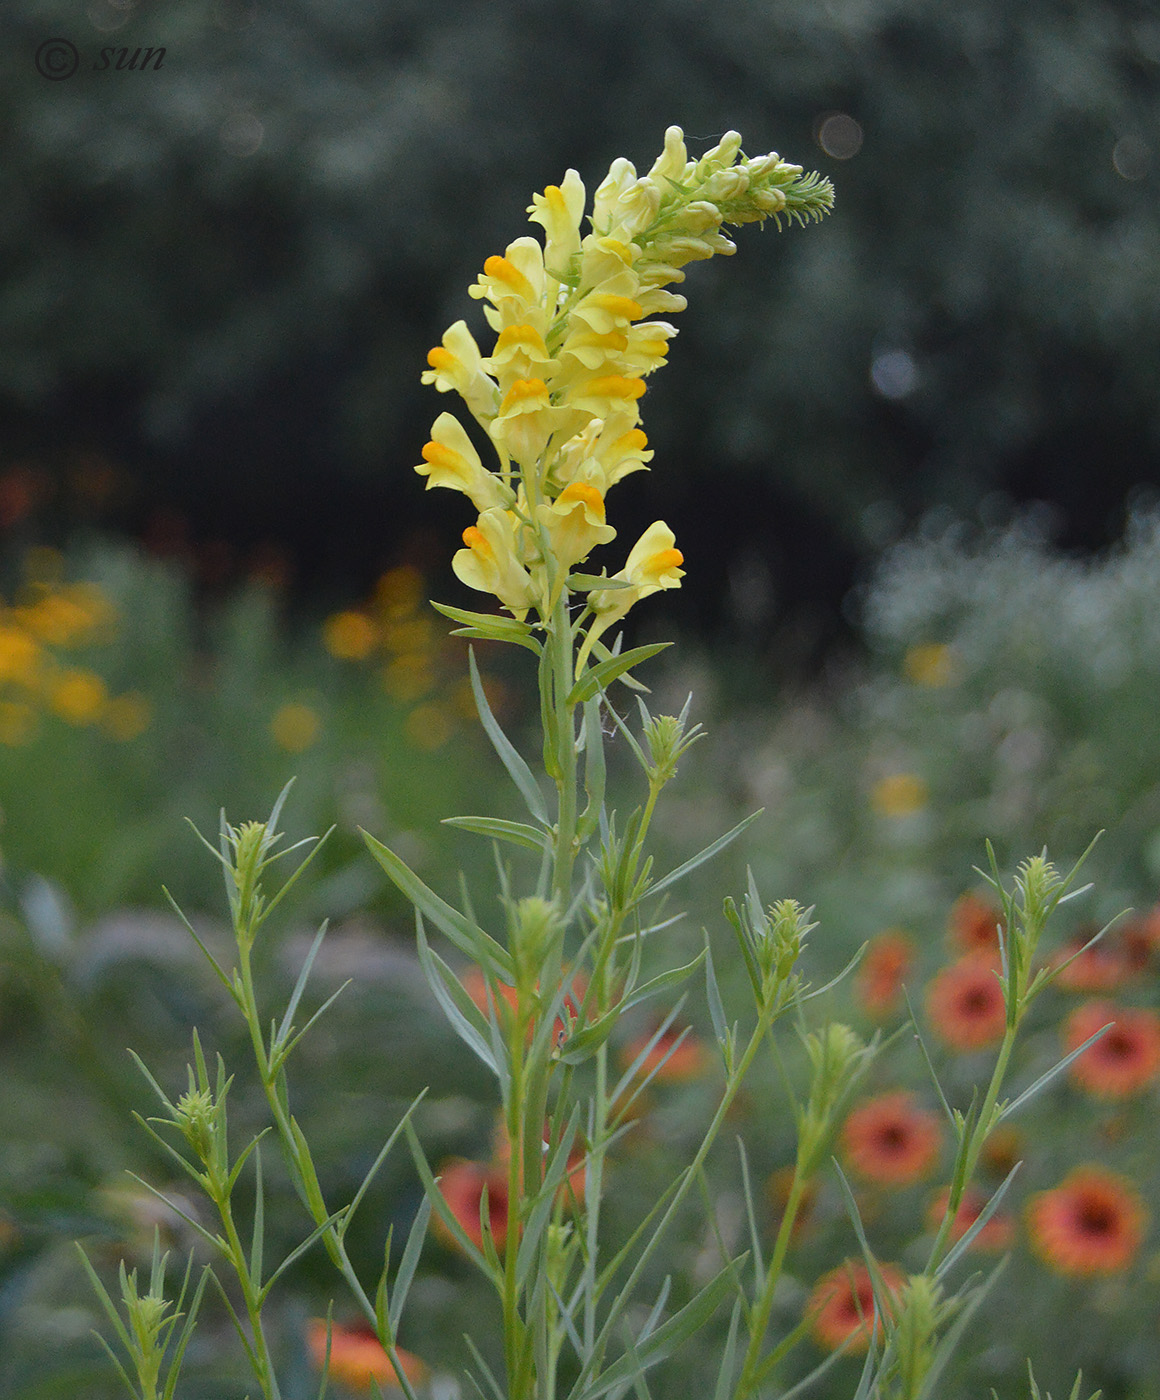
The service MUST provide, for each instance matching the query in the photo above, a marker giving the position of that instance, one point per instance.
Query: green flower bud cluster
(838, 1059)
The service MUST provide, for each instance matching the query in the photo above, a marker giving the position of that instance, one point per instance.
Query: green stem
(759, 1318)
(332, 1240)
(563, 715)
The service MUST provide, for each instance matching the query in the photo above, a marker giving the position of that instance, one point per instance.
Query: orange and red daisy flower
(996, 1235)
(1091, 1223)
(357, 1357)
(973, 926)
(462, 1185)
(965, 1006)
(842, 1304)
(878, 987)
(889, 1140)
(1125, 1059)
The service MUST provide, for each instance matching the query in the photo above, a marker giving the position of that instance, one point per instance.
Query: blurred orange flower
(890, 1141)
(475, 985)
(996, 1235)
(1125, 1059)
(842, 1304)
(688, 1061)
(777, 1190)
(878, 986)
(357, 1358)
(1002, 1149)
(973, 926)
(1101, 968)
(965, 1006)
(462, 1185)
(1091, 1223)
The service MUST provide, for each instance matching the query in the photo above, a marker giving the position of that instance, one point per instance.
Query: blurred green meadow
(999, 689)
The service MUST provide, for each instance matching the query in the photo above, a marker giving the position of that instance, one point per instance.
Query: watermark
(57, 59)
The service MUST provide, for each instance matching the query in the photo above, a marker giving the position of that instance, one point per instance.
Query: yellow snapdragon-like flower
(491, 561)
(450, 459)
(575, 523)
(559, 393)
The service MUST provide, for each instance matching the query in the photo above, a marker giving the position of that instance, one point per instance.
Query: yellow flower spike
(457, 364)
(575, 523)
(623, 452)
(593, 350)
(491, 561)
(451, 460)
(559, 211)
(624, 205)
(648, 346)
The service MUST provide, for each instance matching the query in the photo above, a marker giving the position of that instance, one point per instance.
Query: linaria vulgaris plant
(555, 406)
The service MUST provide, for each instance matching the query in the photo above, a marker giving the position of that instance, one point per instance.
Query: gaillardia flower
(357, 1357)
(890, 1141)
(1092, 1223)
(965, 1004)
(1125, 1059)
(878, 984)
(841, 1305)
(558, 396)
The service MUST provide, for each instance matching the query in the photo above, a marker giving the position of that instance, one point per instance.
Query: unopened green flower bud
(666, 739)
(920, 1313)
(786, 926)
(837, 1055)
(535, 925)
(197, 1118)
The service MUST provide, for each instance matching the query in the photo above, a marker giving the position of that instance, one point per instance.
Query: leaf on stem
(490, 627)
(518, 833)
(517, 768)
(702, 856)
(467, 936)
(1044, 1079)
(605, 672)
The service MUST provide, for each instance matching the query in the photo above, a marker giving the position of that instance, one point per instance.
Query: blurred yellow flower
(18, 722)
(20, 656)
(295, 727)
(78, 697)
(350, 635)
(929, 663)
(400, 591)
(899, 795)
(127, 716)
(408, 677)
(429, 726)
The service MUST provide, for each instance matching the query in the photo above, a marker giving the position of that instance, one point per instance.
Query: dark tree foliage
(225, 274)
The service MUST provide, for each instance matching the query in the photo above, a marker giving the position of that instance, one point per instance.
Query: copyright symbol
(57, 59)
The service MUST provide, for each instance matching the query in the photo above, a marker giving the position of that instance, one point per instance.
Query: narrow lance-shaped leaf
(467, 936)
(707, 854)
(517, 768)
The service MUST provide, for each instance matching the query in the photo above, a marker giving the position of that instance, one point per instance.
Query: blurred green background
(887, 444)
(222, 277)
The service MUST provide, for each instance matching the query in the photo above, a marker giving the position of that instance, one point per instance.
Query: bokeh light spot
(839, 135)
